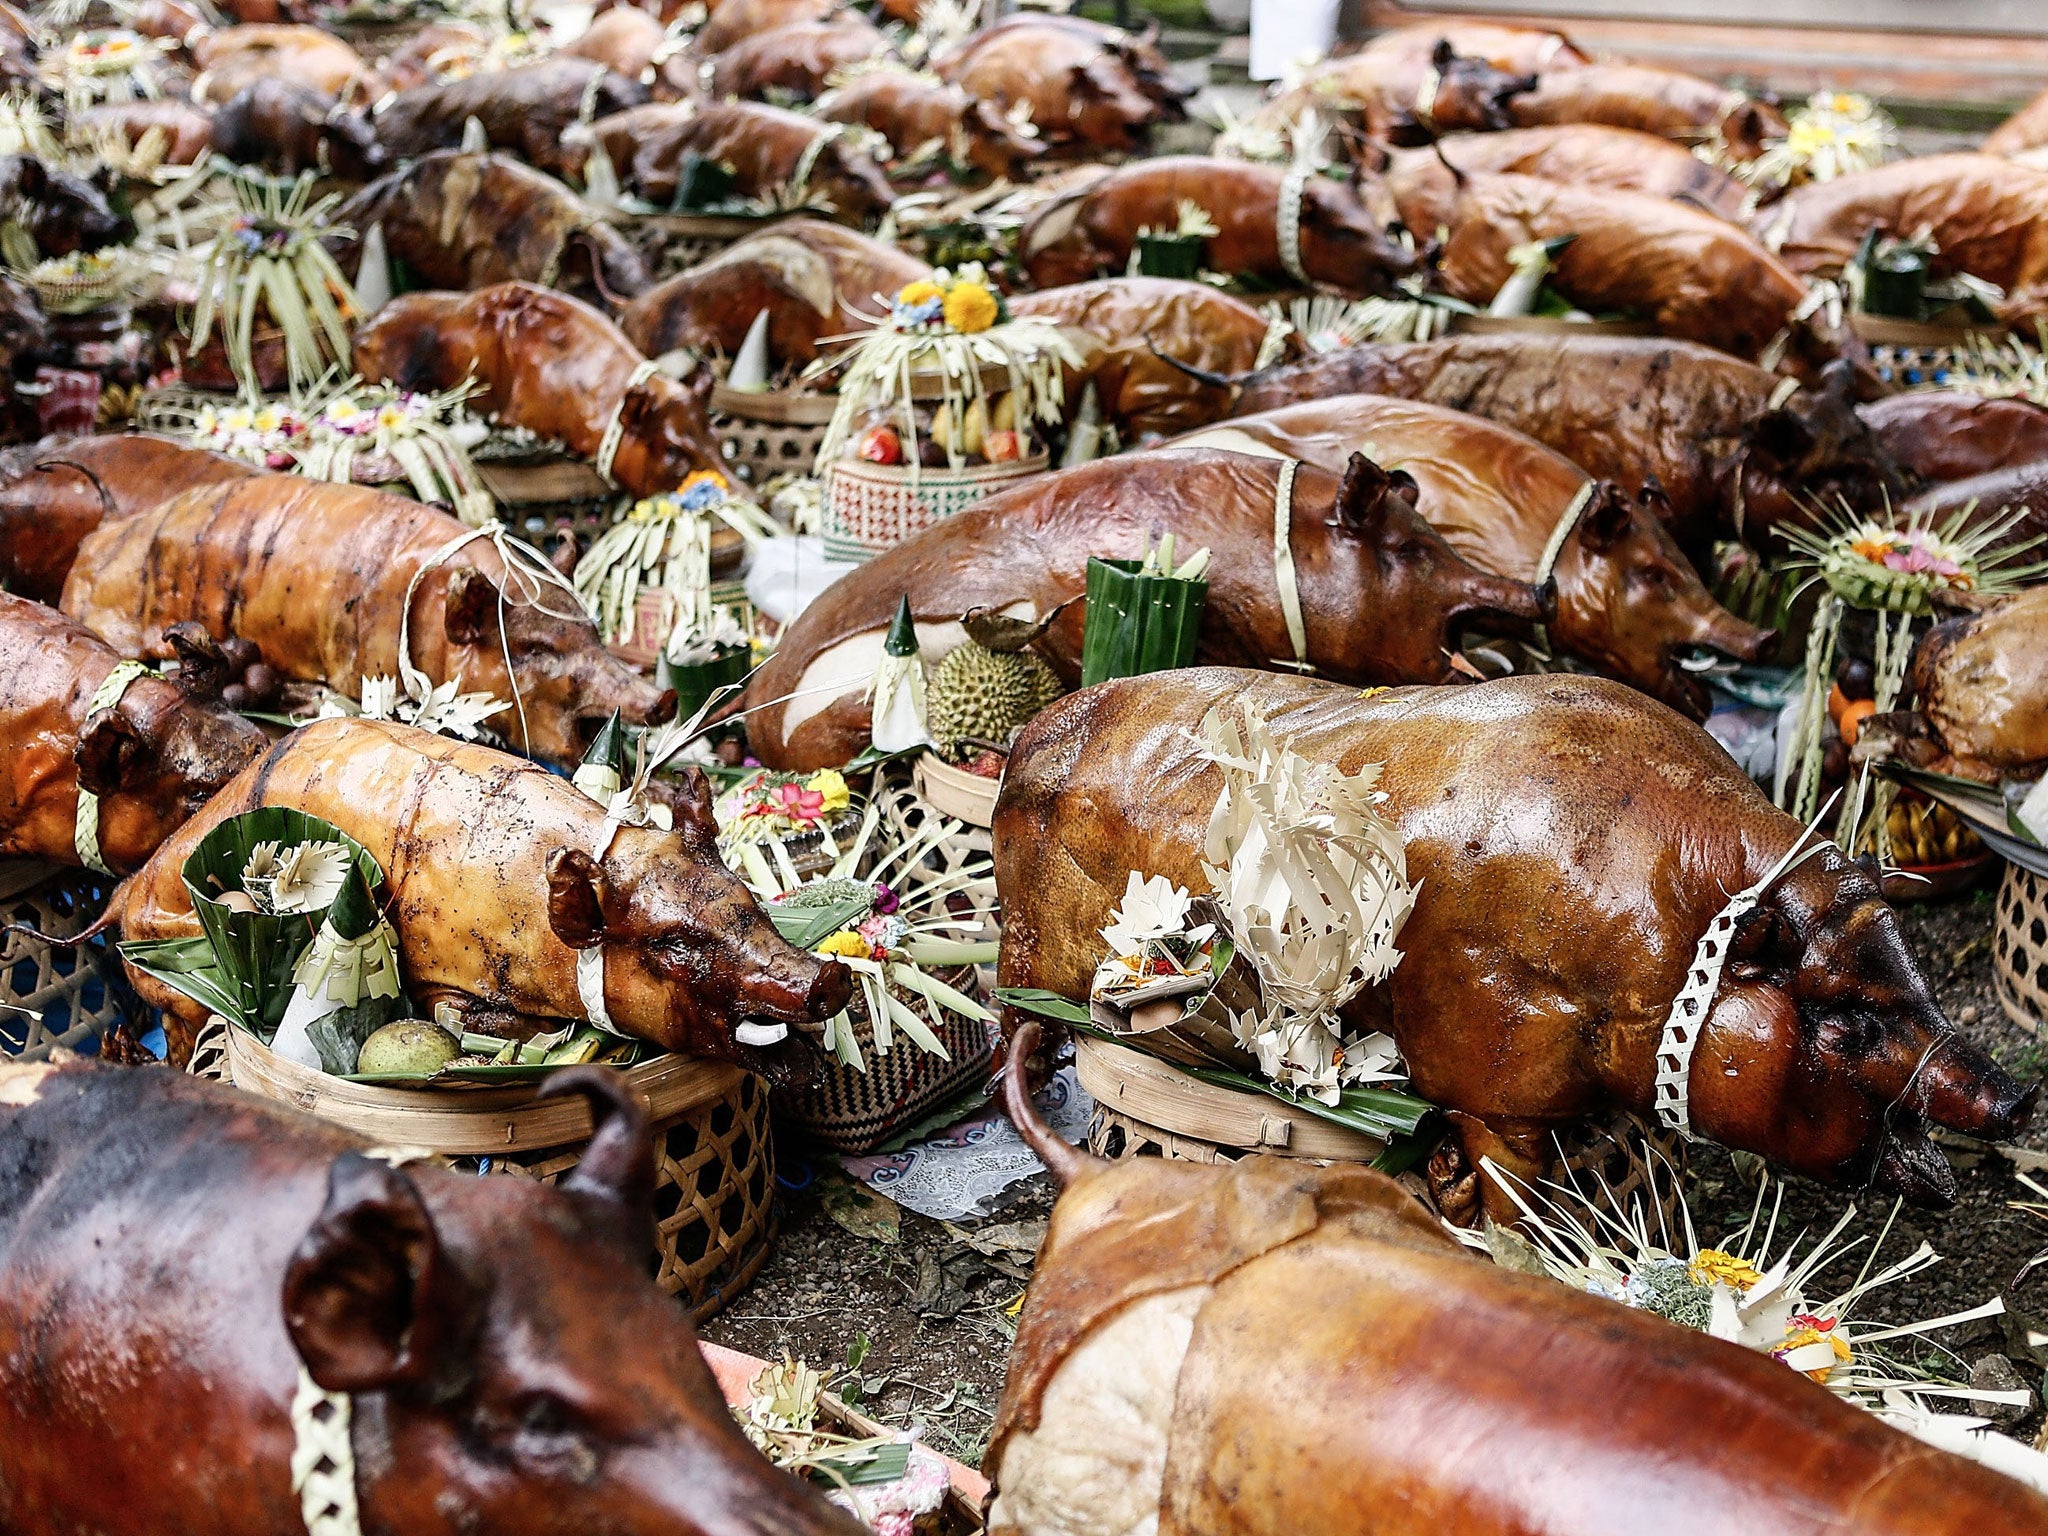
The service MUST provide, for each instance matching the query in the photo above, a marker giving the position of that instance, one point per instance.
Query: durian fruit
(989, 685)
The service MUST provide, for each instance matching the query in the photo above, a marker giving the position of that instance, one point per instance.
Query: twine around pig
(85, 830)
(1695, 1000)
(523, 564)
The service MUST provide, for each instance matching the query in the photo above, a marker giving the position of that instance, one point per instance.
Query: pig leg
(1518, 1148)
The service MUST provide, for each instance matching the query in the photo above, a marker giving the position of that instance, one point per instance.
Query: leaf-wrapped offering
(1143, 615)
(261, 884)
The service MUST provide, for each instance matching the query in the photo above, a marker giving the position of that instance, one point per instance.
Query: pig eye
(543, 1413)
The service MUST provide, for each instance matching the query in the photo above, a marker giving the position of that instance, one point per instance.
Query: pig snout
(1962, 1089)
(793, 991)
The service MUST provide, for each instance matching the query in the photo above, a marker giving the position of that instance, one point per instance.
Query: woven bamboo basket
(1145, 1107)
(68, 997)
(873, 507)
(955, 792)
(776, 432)
(2019, 948)
(714, 1158)
(853, 1111)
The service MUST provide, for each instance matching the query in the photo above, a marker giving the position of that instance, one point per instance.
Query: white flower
(304, 878)
(1152, 908)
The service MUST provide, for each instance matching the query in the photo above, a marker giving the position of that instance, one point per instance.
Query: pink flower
(798, 803)
(1912, 560)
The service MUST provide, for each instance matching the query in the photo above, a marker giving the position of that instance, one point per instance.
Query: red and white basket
(873, 507)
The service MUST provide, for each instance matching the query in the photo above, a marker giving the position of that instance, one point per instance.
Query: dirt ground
(923, 1310)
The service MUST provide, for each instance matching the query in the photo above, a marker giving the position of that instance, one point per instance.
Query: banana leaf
(806, 926)
(1137, 623)
(883, 1463)
(254, 952)
(186, 966)
(1383, 1113)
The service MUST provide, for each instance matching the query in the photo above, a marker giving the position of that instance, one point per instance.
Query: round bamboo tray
(853, 1110)
(2019, 948)
(1161, 1109)
(770, 432)
(714, 1158)
(955, 792)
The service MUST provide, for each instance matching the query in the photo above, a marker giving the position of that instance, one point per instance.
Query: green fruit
(409, 1045)
(985, 694)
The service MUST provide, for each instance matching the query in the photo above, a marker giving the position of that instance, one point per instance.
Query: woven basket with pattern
(854, 1111)
(777, 432)
(68, 997)
(714, 1181)
(873, 507)
(2019, 948)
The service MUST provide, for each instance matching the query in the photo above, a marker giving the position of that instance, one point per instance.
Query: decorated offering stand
(942, 404)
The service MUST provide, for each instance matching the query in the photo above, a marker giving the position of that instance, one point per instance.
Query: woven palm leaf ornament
(945, 329)
(369, 434)
(1312, 882)
(1896, 566)
(1762, 1292)
(266, 255)
(1831, 134)
(663, 544)
(884, 913)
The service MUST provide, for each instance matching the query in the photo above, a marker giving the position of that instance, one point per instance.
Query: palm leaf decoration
(267, 255)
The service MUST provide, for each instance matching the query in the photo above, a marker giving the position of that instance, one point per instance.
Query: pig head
(850, 182)
(1630, 602)
(567, 682)
(1471, 94)
(688, 935)
(508, 1364)
(1811, 452)
(62, 213)
(1827, 1052)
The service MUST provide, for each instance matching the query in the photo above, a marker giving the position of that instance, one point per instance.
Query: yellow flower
(267, 420)
(970, 308)
(343, 409)
(832, 785)
(237, 420)
(844, 942)
(208, 422)
(391, 418)
(916, 293)
(1804, 1336)
(1713, 1264)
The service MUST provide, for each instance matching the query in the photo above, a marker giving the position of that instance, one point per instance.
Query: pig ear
(472, 609)
(615, 1175)
(370, 1301)
(1362, 497)
(1781, 435)
(110, 753)
(575, 898)
(691, 802)
(1607, 521)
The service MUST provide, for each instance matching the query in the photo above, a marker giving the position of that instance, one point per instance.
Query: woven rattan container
(774, 432)
(873, 507)
(67, 998)
(714, 1158)
(2019, 948)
